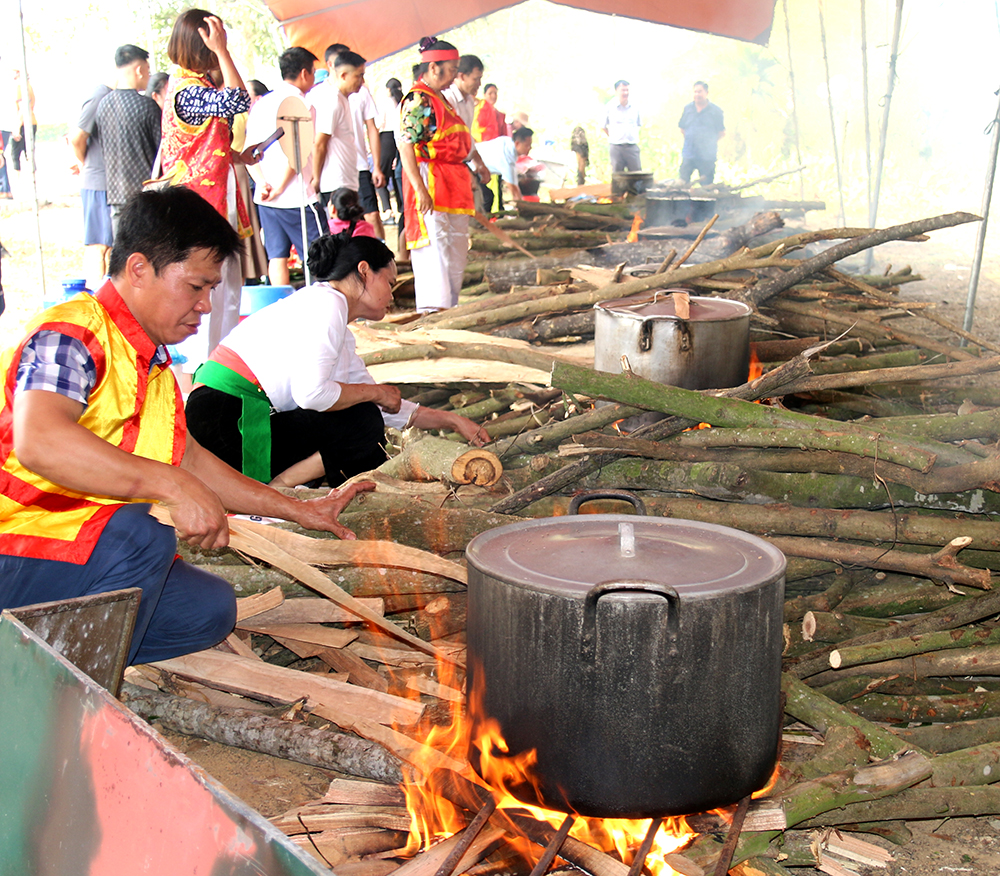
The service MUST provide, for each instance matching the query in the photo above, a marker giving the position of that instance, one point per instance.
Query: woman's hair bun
(427, 42)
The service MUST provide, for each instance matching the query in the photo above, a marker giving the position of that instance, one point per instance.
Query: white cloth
(225, 316)
(333, 117)
(261, 123)
(439, 267)
(622, 122)
(500, 156)
(362, 109)
(301, 351)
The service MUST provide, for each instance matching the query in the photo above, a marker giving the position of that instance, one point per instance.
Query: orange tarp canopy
(376, 28)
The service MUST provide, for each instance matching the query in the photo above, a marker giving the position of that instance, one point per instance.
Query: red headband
(439, 55)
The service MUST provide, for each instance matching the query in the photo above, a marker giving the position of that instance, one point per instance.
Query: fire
(633, 235)
(756, 369)
(433, 818)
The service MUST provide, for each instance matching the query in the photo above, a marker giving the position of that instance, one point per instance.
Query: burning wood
(834, 492)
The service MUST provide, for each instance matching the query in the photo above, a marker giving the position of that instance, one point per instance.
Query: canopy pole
(977, 262)
(795, 112)
(884, 129)
(29, 142)
(867, 110)
(833, 123)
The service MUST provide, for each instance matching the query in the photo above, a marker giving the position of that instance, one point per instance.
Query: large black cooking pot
(639, 656)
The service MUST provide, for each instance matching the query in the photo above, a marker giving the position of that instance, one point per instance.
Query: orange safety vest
(139, 411)
(448, 181)
(200, 156)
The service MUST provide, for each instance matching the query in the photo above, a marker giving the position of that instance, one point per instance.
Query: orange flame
(633, 235)
(434, 818)
(756, 369)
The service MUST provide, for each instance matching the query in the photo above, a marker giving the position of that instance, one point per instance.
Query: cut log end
(479, 467)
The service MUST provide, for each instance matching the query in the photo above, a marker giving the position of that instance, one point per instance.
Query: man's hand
(197, 514)
(472, 432)
(321, 514)
(484, 174)
(268, 193)
(378, 179)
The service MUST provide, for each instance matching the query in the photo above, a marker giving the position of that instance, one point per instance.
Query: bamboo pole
(884, 129)
(795, 111)
(833, 123)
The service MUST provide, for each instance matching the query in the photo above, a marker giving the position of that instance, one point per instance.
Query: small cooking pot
(639, 657)
(709, 350)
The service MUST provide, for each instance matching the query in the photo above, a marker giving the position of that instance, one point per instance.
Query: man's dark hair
(468, 63)
(334, 50)
(621, 82)
(702, 84)
(129, 54)
(522, 133)
(293, 61)
(157, 84)
(257, 88)
(167, 226)
(349, 59)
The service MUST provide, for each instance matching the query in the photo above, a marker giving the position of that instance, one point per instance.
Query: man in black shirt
(128, 127)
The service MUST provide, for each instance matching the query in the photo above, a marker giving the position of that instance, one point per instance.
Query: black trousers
(349, 441)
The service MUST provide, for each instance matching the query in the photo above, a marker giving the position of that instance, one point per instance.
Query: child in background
(347, 213)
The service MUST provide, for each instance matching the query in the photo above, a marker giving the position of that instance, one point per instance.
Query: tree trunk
(437, 459)
(242, 728)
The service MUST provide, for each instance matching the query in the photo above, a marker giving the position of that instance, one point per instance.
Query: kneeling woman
(285, 397)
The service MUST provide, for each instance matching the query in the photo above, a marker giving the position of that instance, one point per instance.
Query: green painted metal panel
(86, 787)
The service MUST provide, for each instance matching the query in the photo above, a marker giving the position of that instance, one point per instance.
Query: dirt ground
(271, 785)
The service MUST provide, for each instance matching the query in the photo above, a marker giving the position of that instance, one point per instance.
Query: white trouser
(439, 267)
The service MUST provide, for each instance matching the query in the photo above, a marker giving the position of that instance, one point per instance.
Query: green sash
(255, 419)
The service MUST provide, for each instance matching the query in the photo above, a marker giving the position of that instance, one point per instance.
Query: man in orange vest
(92, 431)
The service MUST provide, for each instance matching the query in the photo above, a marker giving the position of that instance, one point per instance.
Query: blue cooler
(254, 298)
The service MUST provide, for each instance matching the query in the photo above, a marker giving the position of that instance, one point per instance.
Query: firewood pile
(870, 461)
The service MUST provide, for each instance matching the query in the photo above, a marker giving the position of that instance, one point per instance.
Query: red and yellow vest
(200, 156)
(448, 180)
(139, 411)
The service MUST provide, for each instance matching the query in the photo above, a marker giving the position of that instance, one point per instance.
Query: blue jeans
(182, 608)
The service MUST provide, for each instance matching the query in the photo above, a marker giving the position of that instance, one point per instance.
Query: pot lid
(566, 556)
(662, 306)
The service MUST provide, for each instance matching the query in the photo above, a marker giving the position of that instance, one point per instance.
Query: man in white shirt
(461, 94)
(363, 111)
(621, 123)
(281, 192)
(335, 156)
(500, 155)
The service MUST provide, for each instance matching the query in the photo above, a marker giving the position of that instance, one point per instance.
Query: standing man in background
(335, 157)
(128, 128)
(703, 128)
(621, 123)
(461, 94)
(97, 233)
(280, 192)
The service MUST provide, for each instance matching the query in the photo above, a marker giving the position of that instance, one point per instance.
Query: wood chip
(311, 610)
(248, 606)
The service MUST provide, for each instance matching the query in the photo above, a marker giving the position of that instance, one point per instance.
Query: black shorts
(366, 192)
(349, 441)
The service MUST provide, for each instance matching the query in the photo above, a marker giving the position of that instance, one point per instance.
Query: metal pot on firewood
(707, 348)
(639, 657)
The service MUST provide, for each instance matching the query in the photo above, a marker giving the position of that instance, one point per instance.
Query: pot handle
(624, 495)
(588, 636)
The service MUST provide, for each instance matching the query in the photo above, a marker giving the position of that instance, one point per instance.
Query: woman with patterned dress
(434, 143)
(197, 152)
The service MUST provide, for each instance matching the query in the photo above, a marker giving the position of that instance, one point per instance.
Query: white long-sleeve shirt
(301, 351)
